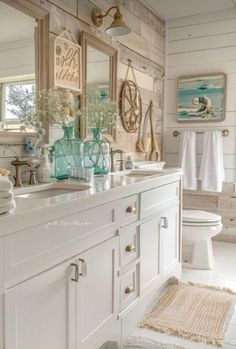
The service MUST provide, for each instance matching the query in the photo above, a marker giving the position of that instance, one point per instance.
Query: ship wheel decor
(130, 103)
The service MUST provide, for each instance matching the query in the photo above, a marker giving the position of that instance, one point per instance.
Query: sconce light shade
(117, 27)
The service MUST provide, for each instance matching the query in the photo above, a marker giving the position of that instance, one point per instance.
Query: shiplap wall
(17, 58)
(145, 46)
(204, 44)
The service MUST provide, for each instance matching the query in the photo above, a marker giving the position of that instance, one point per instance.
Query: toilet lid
(197, 216)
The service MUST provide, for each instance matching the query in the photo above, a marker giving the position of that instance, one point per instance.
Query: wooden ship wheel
(130, 106)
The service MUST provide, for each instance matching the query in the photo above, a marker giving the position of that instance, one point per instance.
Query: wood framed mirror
(99, 67)
(27, 43)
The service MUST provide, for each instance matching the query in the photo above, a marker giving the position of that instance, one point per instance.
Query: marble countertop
(103, 189)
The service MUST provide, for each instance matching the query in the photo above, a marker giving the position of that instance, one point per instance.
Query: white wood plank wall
(203, 44)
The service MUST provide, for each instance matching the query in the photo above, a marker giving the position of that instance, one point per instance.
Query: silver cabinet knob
(83, 269)
(164, 222)
(129, 289)
(130, 248)
(80, 269)
(131, 209)
(76, 277)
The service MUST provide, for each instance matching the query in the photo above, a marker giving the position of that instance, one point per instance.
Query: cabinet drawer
(158, 198)
(129, 244)
(128, 210)
(32, 250)
(129, 287)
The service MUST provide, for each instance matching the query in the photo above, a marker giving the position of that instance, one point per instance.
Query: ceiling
(168, 9)
(15, 25)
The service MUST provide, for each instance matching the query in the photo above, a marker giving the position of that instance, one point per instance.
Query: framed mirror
(99, 62)
(23, 60)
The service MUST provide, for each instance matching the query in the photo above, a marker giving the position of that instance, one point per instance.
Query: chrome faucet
(113, 152)
(31, 164)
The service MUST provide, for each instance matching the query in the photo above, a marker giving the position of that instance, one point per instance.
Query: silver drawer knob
(131, 209)
(130, 248)
(129, 289)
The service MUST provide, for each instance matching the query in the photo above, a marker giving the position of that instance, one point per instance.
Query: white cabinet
(72, 286)
(149, 254)
(40, 313)
(169, 240)
(72, 303)
(97, 296)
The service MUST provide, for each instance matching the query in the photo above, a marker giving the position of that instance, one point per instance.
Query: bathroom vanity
(81, 268)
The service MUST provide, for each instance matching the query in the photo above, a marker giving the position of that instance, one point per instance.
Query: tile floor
(223, 275)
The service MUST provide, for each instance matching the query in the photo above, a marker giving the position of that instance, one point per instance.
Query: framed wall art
(201, 98)
(66, 61)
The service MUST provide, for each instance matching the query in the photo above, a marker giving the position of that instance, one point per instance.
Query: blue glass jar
(97, 153)
(68, 153)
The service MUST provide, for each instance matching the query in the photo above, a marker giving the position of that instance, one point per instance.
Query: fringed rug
(197, 312)
(145, 343)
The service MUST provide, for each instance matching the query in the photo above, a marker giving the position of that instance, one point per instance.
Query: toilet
(198, 228)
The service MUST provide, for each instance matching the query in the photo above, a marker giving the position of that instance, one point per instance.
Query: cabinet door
(40, 312)
(169, 240)
(149, 255)
(97, 292)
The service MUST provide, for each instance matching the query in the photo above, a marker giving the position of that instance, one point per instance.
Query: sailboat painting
(201, 98)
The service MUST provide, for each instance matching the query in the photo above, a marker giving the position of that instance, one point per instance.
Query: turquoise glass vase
(97, 153)
(68, 153)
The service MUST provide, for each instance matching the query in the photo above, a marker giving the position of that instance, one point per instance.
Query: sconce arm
(111, 8)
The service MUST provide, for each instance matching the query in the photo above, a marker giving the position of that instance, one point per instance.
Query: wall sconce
(117, 27)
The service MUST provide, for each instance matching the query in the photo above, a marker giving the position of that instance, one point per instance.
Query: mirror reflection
(98, 71)
(17, 62)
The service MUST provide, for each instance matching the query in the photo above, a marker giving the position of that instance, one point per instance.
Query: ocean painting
(201, 98)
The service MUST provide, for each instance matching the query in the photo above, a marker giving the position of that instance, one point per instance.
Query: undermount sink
(43, 191)
(140, 173)
(145, 173)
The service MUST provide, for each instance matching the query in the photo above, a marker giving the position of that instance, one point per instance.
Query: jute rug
(197, 312)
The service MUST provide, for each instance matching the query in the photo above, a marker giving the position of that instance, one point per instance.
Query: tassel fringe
(183, 334)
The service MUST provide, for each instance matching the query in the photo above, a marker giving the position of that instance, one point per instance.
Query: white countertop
(103, 189)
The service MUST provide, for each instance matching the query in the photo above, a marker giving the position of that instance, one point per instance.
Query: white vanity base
(80, 270)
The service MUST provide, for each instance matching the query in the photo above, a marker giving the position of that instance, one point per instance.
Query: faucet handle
(121, 161)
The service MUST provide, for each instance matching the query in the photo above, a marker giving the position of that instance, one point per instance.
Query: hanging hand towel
(187, 159)
(212, 173)
(6, 201)
(5, 184)
(8, 208)
(6, 194)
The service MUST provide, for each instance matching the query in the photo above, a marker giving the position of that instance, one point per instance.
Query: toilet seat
(200, 218)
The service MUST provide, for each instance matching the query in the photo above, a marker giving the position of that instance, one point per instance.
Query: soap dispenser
(129, 164)
(44, 169)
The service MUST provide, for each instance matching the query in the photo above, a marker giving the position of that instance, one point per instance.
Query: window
(6, 117)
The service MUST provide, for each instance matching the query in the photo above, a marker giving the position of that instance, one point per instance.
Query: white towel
(187, 159)
(212, 173)
(5, 201)
(5, 183)
(8, 208)
(6, 194)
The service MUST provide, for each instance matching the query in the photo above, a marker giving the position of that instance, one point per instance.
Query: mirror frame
(86, 40)
(41, 59)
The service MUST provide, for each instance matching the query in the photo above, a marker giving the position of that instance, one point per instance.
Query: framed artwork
(67, 67)
(201, 98)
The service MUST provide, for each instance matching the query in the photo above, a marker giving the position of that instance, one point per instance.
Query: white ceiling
(15, 25)
(167, 9)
